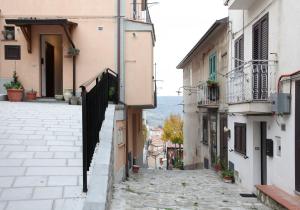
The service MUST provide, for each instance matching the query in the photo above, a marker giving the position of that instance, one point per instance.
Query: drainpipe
(119, 46)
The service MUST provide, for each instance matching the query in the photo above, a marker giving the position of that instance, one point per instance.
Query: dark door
(263, 126)
(223, 140)
(260, 56)
(49, 70)
(213, 137)
(297, 138)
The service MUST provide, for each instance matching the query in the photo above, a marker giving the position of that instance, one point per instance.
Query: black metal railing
(94, 104)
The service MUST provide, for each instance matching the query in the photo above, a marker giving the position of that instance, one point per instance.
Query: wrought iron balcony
(140, 14)
(254, 81)
(239, 4)
(208, 95)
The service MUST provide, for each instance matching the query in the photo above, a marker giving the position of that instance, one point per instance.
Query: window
(9, 33)
(12, 52)
(240, 138)
(205, 129)
(213, 67)
(239, 52)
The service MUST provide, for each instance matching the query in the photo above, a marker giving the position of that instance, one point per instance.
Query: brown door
(49, 70)
(223, 139)
(297, 137)
(213, 137)
(263, 126)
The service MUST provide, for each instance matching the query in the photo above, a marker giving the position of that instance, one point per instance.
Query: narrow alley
(172, 190)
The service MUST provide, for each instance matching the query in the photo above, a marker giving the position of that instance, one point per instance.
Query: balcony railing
(140, 14)
(208, 94)
(254, 81)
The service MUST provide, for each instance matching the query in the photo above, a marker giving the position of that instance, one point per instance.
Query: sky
(179, 25)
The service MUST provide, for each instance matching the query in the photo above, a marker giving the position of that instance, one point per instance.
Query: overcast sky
(179, 24)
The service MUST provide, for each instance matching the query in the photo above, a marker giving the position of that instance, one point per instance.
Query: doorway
(297, 137)
(51, 65)
(263, 126)
(223, 140)
(213, 138)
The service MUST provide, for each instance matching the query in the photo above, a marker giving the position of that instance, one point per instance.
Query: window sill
(9, 40)
(241, 154)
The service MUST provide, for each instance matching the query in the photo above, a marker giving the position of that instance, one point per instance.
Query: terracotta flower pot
(31, 96)
(227, 179)
(135, 168)
(15, 95)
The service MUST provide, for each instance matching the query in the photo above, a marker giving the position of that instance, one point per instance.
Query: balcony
(250, 86)
(140, 14)
(239, 4)
(208, 95)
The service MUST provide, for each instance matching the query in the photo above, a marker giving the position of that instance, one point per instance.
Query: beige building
(204, 85)
(57, 45)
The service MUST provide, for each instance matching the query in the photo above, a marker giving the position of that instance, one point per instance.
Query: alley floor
(40, 156)
(186, 190)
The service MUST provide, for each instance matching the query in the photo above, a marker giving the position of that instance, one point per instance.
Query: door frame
(40, 59)
(263, 156)
(223, 139)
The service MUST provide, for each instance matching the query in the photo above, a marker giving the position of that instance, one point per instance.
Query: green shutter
(213, 67)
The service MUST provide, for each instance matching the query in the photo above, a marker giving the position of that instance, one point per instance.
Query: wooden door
(263, 126)
(49, 70)
(223, 139)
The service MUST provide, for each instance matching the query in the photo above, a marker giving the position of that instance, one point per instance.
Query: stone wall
(101, 181)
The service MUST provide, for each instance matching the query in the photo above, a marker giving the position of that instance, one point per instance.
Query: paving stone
(6, 181)
(2, 205)
(4, 154)
(12, 171)
(73, 191)
(48, 192)
(16, 194)
(69, 204)
(18, 148)
(30, 181)
(21, 155)
(37, 148)
(45, 162)
(60, 143)
(11, 162)
(30, 205)
(54, 171)
(64, 154)
(10, 142)
(198, 189)
(34, 142)
(74, 162)
(65, 148)
(62, 180)
(43, 155)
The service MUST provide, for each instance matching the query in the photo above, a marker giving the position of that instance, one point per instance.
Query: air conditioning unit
(281, 103)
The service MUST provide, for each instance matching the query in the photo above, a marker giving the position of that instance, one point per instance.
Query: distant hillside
(166, 105)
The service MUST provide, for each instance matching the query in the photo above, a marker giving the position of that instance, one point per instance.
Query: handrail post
(84, 138)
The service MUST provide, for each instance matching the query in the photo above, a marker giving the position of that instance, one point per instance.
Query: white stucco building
(263, 40)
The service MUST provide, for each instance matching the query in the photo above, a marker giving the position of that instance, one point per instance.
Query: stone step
(3, 97)
(277, 199)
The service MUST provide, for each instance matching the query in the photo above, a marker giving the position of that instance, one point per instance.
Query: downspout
(74, 58)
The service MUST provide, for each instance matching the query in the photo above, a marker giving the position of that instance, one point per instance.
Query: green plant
(227, 173)
(178, 163)
(73, 51)
(14, 84)
(212, 83)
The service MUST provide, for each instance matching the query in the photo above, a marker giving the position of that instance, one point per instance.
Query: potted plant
(228, 176)
(14, 89)
(73, 51)
(135, 168)
(212, 83)
(8, 35)
(31, 95)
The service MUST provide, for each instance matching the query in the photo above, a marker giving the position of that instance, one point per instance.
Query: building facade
(204, 84)
(55, 46)
(263, 93)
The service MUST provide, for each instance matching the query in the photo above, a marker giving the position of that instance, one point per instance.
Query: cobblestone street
(170, 190)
